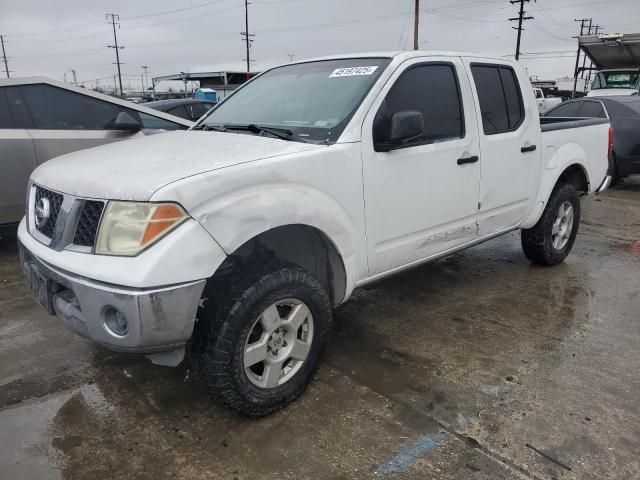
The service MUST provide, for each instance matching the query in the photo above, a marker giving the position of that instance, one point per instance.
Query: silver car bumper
(157, 320)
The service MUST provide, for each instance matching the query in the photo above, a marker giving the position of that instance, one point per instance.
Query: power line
(520, 18)
(416, 24)
(246, 35)
(4, 57)
(83, 26)
(175, 10)
(115, 46)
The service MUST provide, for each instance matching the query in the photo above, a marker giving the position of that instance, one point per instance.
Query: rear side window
(591, 110)
(500, 98)
(569, 109)
(431, 89)
(6, 121)
(199, 109)
(155, 123)
(179, 111)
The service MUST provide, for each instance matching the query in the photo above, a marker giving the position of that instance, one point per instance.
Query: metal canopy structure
(223, 82)
(619, 50)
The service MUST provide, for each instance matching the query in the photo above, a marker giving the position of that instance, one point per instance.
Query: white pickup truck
(545, 103)
(236, 239)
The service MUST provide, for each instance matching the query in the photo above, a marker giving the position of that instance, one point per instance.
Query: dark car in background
(188, 108)
(624, 114)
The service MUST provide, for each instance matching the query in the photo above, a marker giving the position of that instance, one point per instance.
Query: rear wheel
(550, 240)
(257, 346)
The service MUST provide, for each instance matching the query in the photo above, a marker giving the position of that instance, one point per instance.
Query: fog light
(115, 321)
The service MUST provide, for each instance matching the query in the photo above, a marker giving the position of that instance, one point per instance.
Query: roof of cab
(401, 54)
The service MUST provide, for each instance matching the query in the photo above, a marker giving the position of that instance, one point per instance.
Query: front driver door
(422, 199)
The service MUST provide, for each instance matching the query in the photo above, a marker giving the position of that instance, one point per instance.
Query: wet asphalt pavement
(476, 366)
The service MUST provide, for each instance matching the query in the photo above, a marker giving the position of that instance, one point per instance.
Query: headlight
(127, 228)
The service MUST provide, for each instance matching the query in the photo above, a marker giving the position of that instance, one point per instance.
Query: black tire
(226, 319)
(537, 241)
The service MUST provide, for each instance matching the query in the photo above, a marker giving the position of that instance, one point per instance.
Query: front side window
(314, 101)
(500, 98)
(431, 89)
(54, 108)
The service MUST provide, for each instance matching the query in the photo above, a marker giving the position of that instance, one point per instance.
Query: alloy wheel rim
(278, 343)
(562, 225)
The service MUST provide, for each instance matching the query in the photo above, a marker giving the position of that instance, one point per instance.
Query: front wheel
(550, 240)
(257, 346)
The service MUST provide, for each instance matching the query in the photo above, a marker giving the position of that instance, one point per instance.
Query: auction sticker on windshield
(353, 71)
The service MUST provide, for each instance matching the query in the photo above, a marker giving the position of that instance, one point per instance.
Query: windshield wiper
(282, 133)
(207, 128)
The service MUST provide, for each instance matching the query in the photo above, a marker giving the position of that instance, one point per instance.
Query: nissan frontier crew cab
(233, 241)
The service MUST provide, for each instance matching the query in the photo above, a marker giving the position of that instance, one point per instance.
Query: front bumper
(159, 319)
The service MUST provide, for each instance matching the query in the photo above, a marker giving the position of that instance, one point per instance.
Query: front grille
(88, 222)
(47, 226)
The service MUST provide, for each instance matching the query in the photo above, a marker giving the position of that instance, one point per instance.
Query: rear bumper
(159, 319)
(606, 183)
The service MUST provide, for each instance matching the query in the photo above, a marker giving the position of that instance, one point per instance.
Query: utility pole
(4, 57)
(582, 21)
(416, 24)
(146, 77)
(247, 36)
(520, 18)
(114, 19)
(291, 55)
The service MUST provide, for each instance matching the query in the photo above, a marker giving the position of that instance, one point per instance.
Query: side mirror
(404, 126)
(126, 122)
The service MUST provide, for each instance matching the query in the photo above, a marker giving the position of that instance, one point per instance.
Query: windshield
(616, 80)
(313, 101)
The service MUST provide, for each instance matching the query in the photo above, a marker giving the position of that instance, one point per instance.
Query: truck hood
(134, 169)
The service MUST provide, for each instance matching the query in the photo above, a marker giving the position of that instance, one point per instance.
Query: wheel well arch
(303, 245)
(575, 175)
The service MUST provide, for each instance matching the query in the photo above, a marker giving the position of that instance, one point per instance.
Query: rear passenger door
(509, 143)
(17, 160)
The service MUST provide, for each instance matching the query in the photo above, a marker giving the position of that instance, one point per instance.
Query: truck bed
(564, 139)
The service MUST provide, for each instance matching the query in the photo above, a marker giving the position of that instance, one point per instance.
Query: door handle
(473, 159)
(530, 148)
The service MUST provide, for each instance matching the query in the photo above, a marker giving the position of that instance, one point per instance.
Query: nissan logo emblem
(42, 212)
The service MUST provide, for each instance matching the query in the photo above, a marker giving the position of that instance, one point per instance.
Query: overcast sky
(48, 37)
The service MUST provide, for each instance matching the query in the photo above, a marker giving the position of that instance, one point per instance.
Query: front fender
(238, 204)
